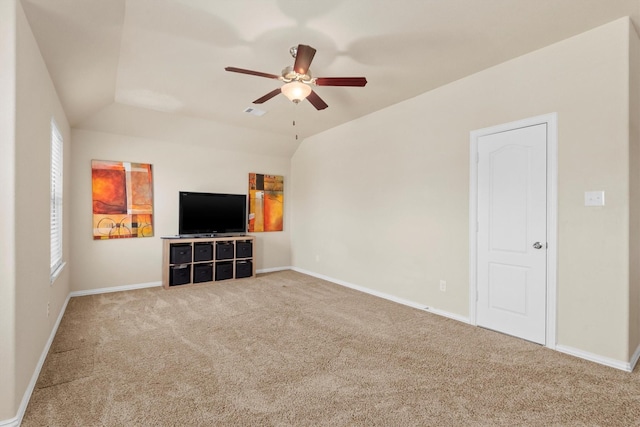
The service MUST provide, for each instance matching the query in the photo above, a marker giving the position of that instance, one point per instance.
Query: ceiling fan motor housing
(289, 75)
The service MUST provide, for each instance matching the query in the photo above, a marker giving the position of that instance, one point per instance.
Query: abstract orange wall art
(266, 202)
(122, 199)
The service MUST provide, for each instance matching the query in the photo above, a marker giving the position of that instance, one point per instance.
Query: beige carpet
(287, 349)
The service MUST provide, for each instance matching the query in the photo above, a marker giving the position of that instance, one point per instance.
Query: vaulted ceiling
(155, 60)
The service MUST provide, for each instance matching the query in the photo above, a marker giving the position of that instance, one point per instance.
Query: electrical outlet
(594, 198)
(443, 285)
(48, 308)
(317, 258)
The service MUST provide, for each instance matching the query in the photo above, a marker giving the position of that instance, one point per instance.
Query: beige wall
(177, 166)
(7, 194)
(634, 191)
(382, 202)
(36, 104)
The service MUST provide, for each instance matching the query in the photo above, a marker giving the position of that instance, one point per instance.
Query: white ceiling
(119, 63)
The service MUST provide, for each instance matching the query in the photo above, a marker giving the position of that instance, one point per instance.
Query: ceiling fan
(298, 79)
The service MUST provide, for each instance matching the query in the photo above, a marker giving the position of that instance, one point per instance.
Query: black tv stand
(204, 236)
(189, 259)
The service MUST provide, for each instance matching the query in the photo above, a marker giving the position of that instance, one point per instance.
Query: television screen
(212, 213)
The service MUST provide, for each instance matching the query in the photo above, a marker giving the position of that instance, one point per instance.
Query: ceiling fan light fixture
(297, 79)
(296, 91)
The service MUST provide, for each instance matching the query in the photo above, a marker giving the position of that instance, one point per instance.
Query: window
(56, 202)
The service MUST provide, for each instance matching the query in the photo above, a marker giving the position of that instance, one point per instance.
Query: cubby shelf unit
(199, 260)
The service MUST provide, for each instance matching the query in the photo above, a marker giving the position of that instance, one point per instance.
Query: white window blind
(56, 201)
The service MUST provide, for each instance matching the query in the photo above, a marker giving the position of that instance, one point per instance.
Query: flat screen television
(211, 213)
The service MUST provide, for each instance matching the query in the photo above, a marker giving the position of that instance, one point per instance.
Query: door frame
(551, 120)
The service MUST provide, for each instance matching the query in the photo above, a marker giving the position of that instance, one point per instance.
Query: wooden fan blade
(303, 58)
(267, 96)
(316, 101)
(341, 81)
(252, 73)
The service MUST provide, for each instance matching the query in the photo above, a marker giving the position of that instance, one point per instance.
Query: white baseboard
(147, 285)
(273, 269)
(563, 349)
(17, 420)
(114, 289)
(634, 359)
(384, 295)
(452, 316)
(12, 422)
(602, 360)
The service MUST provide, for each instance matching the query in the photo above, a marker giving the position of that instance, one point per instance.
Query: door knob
(537, 245)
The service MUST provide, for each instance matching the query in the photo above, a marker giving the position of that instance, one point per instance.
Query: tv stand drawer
(224, 250)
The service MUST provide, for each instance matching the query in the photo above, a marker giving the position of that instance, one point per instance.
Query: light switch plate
(594, 198)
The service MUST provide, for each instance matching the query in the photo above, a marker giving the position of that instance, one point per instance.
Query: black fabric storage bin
(179, 274)
(202, 252)
(244, 249)
(244, 269)
(180, 253)
(202, 273)
(224, 250)
(224, 270)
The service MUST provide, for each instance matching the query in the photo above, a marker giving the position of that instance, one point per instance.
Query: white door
(512, 230)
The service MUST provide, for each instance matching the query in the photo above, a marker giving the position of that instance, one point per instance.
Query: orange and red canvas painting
(266, 201)
(122, 199)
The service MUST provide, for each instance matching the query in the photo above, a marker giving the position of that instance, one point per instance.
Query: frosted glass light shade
(296, 91)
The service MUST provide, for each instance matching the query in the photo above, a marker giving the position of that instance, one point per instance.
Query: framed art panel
(266, 202)
(122, 199)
